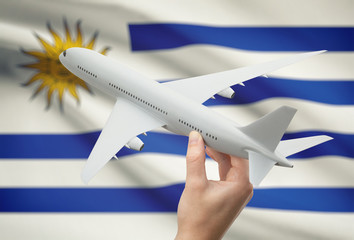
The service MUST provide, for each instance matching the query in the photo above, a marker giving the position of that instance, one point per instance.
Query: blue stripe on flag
(163, 199)
(166, 36)
(70, 146)
(328, 92)
(305, 199)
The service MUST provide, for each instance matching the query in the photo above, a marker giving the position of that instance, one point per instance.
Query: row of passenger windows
(211, 136)
(196, 129)
(86, 71)
(138, 99)
(189, 125)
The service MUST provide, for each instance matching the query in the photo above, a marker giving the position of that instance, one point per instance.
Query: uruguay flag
(50, 121)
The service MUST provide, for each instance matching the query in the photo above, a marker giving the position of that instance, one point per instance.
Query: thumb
(195, 159)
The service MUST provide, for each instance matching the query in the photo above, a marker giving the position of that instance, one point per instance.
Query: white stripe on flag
(25, 116)
(311, 116)
(192, 60)
(197, 60)
(250, 13)
(251, 224)
(155, 170)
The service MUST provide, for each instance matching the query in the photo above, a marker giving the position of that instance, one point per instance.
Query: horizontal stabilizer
(259, 167)
(269, 129)
(292, 146)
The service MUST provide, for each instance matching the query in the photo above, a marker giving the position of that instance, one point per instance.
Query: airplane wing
(125, 122)
(202, 88)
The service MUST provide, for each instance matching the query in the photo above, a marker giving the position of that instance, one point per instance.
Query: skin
(208, 208)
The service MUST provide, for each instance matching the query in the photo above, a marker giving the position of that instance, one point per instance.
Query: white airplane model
(143, 105)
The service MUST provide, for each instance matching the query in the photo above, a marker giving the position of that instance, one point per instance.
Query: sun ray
(91, 44)
(51, 75)
(46, 46)
(34, 78)
(39, 66)
(79, 35)
(36, 54)
(84, 85)
(61, 87)
(105, 50)
(73, 92)
(49, 96)
(69, 41)
(58, 43)
(38, 90)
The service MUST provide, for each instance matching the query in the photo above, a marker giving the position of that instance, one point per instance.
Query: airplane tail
(268, 131)
(289, 147)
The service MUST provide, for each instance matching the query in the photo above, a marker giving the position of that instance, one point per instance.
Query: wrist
(194, 234)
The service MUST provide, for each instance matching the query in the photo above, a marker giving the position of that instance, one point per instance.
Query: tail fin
(268, 132)
(269, 129)
(259, 167)
(292, 146)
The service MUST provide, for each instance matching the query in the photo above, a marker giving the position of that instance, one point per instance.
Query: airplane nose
(64, 53)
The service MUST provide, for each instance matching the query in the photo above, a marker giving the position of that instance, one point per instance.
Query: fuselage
(179, 113)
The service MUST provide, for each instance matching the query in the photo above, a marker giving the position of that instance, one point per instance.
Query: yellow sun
(51, 74)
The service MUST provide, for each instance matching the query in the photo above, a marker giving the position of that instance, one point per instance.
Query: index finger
(239, 169)
(195, 159)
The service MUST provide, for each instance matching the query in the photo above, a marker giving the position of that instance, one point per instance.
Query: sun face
(51, 75)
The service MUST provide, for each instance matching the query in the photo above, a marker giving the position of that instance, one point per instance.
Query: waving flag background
(42, 152)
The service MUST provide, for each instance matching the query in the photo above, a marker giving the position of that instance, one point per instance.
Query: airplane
(144, 104)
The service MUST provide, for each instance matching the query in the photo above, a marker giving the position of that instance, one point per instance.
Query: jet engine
(135, 144)
(227, 93)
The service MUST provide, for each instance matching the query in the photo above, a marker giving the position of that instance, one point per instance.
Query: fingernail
(194, 137)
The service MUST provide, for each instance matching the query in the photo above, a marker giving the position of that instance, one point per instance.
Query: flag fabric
(50, 122)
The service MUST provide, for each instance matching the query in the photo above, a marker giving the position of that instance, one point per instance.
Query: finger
(223, 161)
(195, 159)
(239, 169)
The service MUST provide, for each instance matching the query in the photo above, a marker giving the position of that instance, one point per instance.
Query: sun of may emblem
(52, 76)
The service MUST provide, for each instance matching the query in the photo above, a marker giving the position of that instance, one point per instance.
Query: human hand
(208, 208)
